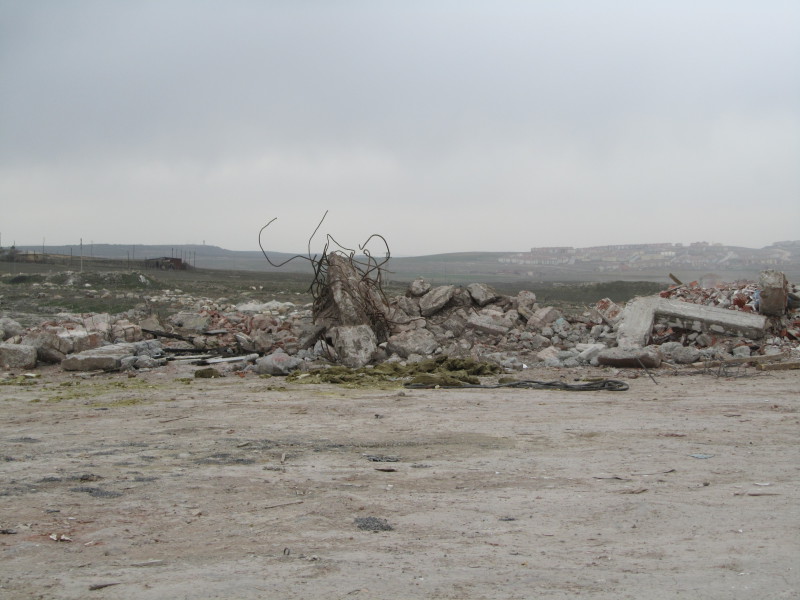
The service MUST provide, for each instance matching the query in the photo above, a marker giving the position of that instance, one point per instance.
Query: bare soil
(166, 486)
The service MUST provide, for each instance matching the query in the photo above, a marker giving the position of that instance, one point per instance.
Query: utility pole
(81, 255)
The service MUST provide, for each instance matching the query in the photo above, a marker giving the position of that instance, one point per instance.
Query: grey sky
(444, 126)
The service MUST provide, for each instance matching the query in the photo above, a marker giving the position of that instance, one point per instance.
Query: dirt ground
(165, 486)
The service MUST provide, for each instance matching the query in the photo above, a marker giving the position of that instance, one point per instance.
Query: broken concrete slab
(277, 363)
(525, 303)
(17, 356)
(482, 294)
(416, 341)
(489, 323)
(436, 299)
(630, 358)
(638, 317)
(419, 287)
(191, 321)
(107, 358)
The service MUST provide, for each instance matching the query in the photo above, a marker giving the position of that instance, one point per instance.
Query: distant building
(165, 263)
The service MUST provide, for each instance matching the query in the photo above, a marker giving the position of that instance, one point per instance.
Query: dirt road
(165, 486)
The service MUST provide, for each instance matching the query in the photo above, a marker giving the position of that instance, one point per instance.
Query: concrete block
(774, 293)
(637, 319)
(436, 299)
(355, 344)
(417, 341)
(17, 356)
(630, 358)
(482, 294)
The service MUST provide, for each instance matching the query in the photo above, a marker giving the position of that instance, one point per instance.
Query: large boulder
(17, 356)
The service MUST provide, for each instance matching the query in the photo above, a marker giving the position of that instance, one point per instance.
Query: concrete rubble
(684, 325)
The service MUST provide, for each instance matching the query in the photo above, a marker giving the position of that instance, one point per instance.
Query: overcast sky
(444, 126)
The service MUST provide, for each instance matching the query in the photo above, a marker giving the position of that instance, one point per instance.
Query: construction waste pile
(353, 325)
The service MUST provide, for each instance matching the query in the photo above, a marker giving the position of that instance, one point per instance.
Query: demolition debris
(352, 324)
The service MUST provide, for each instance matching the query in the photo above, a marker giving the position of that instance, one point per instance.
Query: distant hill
(644, 262)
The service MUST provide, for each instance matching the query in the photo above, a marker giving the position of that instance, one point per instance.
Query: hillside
(650, 262)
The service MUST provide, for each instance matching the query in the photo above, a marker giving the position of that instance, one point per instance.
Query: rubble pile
(683, 325)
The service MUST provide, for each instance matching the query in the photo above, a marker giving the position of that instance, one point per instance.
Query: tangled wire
(370, 298)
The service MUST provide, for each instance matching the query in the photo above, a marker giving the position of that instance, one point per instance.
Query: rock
(492, 324)
(191, 321)
(561, 327)
(456, 322)
(589, 352)
(148, 362)
(741, 351)
(482, 294)
(97, 322)
(609, 310)
(245, 342)
(17, 356)
(774, 293)
(417, 341)
(677, 353)
(124, 331)
(277, 363)
(152, 323)
(630, 358)
(107, 358)
(207, 373)
(526, 304)
(152, 348)
(355, 345)
(542, 318)
(410, 306)
(263, 341)
(10, 328)
(436, 299)
(418, 287)
(549, 355)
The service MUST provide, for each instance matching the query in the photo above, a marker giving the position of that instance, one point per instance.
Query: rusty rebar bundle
(347, 286)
